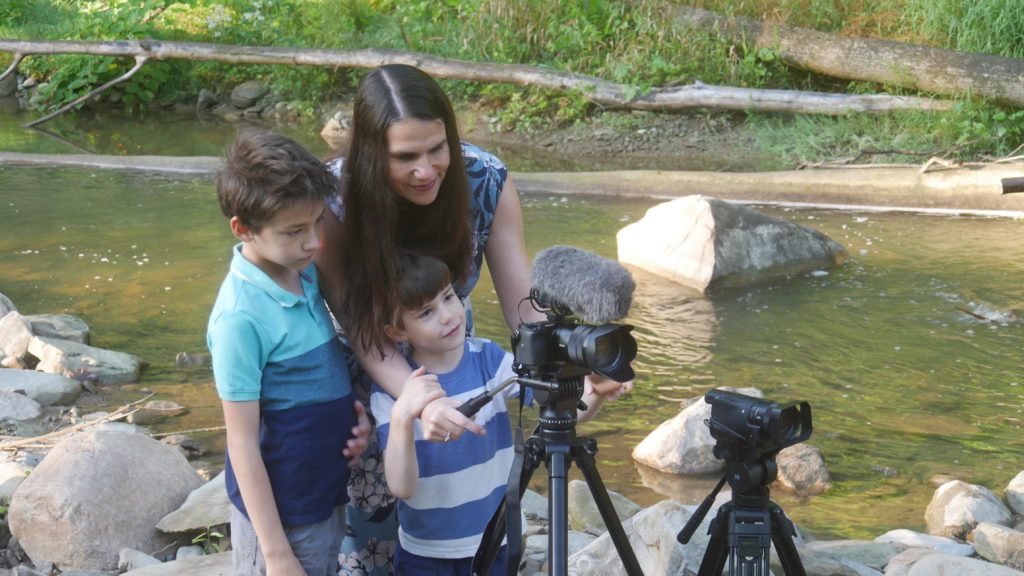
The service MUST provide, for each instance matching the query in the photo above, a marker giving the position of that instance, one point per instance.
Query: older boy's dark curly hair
(265, 173)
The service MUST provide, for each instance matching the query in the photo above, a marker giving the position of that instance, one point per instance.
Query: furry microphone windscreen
(597, 289)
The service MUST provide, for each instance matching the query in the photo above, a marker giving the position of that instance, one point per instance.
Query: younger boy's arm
(401, 467)
(241, 419)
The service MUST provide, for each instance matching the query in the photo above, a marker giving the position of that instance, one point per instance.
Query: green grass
(630, 42)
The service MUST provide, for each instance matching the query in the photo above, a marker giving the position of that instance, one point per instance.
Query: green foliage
(632, 43)
(211, 539)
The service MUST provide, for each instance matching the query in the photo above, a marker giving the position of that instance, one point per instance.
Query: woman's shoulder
(477, 159)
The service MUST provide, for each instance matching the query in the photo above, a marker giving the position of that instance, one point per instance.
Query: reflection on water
(904, 384)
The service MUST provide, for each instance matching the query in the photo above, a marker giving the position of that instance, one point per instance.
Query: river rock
(802, 470)
(1014, 494)
(96, 493)
(73, 359)
(5, 305)
(46, 389)
(584, 515)
(919, 540)
(957, 507)
(683, 445)
(209, 565)
(206, 506)
(18, 407)
(873, 554)
(1000, 544)
(60, 326)
(248, 93)
(8, 86)
(924, 562)
(15, 337)
(337, 127)
(707, 243)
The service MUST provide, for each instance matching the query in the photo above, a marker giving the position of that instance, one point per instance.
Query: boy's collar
(249, 272)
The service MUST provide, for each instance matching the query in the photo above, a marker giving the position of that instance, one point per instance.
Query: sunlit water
(905, 386)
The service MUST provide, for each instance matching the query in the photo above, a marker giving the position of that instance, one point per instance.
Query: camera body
(748, 428)
(543, 350)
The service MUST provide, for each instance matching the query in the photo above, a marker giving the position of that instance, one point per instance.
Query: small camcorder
(756, 427)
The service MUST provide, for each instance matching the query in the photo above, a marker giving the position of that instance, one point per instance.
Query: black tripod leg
(782, 536)
(526, 462)
(585, 460)
(716, 551)
(558, 510)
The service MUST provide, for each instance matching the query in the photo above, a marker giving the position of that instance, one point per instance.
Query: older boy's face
(287, 241)
(418, 159)
(437, 327)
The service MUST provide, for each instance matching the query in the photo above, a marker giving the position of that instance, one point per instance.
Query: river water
(906, 384)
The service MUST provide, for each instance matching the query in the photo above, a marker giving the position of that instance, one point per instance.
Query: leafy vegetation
(632, 42)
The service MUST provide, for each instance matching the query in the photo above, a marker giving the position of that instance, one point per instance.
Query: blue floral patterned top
(487, 175)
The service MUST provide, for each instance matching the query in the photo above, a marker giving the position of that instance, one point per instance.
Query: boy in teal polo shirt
(293, 426)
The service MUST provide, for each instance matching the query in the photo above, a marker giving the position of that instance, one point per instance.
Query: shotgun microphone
(596, 289)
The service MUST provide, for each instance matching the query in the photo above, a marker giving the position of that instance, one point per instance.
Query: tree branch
(139, 62)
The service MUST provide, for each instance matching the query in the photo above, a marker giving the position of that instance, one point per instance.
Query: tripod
(555, 443)
(744, 529)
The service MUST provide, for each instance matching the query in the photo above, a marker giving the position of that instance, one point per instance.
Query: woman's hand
(443, 422)
(361, 436)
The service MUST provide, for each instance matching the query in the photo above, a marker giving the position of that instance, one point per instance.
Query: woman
(408, 181)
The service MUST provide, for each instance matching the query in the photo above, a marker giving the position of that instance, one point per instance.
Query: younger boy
(448, 491)
(292, 424)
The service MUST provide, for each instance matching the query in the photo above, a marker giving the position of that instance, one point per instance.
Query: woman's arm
(507, 260)
(242, 421)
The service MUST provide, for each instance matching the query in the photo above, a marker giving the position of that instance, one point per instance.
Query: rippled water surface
(905, 382)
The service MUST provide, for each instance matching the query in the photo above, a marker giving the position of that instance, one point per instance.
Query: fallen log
(926, 68)
(602, 92)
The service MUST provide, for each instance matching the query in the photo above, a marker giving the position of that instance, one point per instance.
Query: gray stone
(918, 540)
(683, 445)
(46, 389)
(60, 326)
(14, 406)
(15, 336)
(128, 559)
(6, 305)
(583, 513)
(96, 493)
(707, 243)
(924, 562)
(1000, 544)
(206, 506)
(73, 359)
(248, 93)
(957, 507)
(802, 470)
(210, 565)
(1014, 494)
(873, 554)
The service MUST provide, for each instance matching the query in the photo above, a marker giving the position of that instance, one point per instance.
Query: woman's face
(418, 159)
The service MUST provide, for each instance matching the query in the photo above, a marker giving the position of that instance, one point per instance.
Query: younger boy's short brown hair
(265, 173)
(421, 278)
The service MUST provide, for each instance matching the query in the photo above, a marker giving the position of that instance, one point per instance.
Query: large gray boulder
(684, 445)
(707, 243)
(924, 562)
(74, 359)
(957, 508)
(46, 389)
(206, 506)
(60, 326)
(96, 493)
(15, 337)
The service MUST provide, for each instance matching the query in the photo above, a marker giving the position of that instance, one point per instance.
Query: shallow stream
(906, 384)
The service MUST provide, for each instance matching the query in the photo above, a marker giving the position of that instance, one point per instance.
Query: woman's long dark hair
(377, 221)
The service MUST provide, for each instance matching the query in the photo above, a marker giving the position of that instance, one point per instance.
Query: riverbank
(974, 189)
